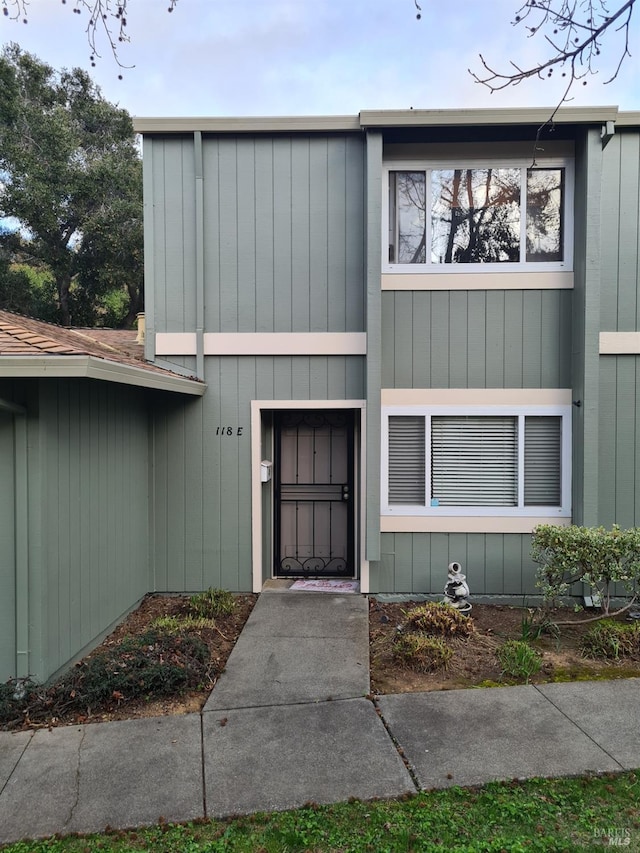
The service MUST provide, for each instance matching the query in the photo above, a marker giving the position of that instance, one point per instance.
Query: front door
(314, 500)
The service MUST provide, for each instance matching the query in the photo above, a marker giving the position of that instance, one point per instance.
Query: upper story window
(499, 216)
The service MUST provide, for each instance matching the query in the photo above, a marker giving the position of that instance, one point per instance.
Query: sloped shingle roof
(24, 337)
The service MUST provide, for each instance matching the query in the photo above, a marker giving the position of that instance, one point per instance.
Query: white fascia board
(479, 117)
(379, 118)
(246, 124)
(90, 367)
(628, 119)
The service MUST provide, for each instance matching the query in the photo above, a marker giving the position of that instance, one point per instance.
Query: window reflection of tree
(476, 215)
(544, 214)
(412, 206)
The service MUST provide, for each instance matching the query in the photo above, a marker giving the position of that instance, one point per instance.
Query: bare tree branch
(575, 31)
(107, 21)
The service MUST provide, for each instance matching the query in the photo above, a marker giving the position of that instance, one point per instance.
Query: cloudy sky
(310, 57)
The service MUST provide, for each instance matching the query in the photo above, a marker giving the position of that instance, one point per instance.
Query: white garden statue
(456, 590)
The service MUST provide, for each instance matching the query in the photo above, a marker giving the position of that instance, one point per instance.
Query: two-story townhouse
(419, 333)
(418, 337)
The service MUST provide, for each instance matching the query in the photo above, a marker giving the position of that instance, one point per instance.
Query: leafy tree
(24, 288)
(72, 178)
(110, 259)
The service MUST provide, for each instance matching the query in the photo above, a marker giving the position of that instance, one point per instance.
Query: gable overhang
(90, 367)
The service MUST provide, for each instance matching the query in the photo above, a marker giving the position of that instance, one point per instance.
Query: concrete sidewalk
(289, 723)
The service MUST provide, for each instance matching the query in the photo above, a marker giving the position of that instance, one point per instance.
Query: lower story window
(478, 461)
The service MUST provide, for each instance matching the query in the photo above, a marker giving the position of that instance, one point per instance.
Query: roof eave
(372, 119)
(247, 124)
(629, 119)
(484, 117)
(90, 367)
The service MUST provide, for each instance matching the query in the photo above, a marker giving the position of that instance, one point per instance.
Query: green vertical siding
(619, 375)
(494, 563)
(284, 251)
(80, 460)
(620, 290)
(20, 617)
(202, 477)
(170, 233)
(94, 516)
(619, 457)
(476, 339)
(7, 549)
(284, 233)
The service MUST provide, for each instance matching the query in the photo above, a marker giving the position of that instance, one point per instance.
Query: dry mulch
(219, 639)
(474, 662)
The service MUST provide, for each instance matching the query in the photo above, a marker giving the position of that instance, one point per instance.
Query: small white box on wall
(265, 471)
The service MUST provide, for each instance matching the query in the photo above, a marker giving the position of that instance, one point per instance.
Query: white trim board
(455, 280)
(465, 524)
(263, 343)
(619, 343)
(476, 396)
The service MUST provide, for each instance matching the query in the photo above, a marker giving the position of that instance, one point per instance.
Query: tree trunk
(136, 305)
(63, 283)
(455, 215)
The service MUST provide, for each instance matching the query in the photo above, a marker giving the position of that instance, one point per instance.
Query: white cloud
(241, 57)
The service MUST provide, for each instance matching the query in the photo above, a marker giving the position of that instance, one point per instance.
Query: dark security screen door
(314, 524)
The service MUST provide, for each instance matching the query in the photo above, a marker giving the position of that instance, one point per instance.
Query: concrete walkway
(289, 723)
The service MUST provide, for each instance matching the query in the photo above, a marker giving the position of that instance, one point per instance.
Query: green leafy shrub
(439, 618)
(610, 639)
(211, 603)
(518, 659)
(153, 664)
(422, 653)
(592, 556)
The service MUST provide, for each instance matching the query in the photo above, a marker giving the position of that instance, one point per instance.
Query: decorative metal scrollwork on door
(314, 566)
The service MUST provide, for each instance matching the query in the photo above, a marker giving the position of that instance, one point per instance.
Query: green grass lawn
(584, 813)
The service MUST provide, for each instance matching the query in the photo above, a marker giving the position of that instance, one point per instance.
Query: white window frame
(566, 265)
(563, 511)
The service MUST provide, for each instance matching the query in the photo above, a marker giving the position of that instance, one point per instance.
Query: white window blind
(474, 461)
(542, 458)
(407, 460)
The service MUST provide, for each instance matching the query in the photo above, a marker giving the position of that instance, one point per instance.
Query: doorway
(314, 500)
